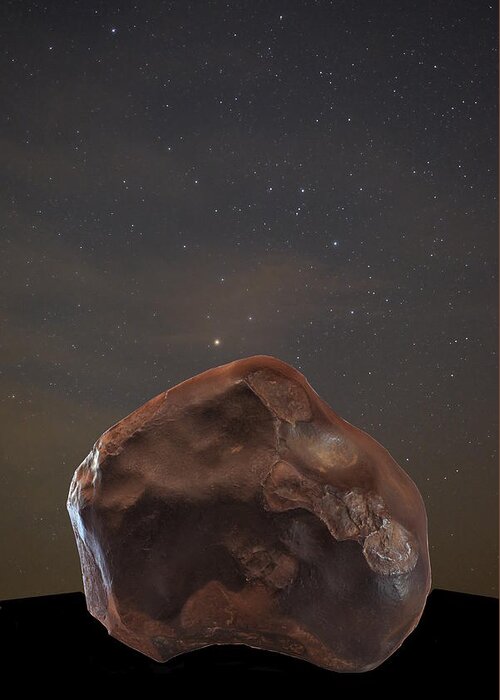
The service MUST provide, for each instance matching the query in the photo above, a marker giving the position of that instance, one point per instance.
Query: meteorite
(238, 508)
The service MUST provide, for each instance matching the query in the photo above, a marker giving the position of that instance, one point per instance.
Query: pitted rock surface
(238, 507)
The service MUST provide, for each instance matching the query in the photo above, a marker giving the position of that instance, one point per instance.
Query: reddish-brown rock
(237, 507)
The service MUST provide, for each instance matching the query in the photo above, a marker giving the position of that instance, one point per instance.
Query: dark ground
(454, 649)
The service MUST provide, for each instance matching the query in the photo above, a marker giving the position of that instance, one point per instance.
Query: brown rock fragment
(237, 507)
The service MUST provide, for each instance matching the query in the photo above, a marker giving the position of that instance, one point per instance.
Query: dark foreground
(453, 649)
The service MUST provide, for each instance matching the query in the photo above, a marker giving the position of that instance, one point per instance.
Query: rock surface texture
(238, 508)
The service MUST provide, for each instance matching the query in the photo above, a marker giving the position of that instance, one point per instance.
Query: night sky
(188, 183)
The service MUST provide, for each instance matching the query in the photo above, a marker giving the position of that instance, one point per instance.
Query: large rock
(237, 507)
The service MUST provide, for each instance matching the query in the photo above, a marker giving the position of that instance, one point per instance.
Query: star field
(189, 183)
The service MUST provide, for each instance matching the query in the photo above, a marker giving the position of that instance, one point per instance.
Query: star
(216, 341)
